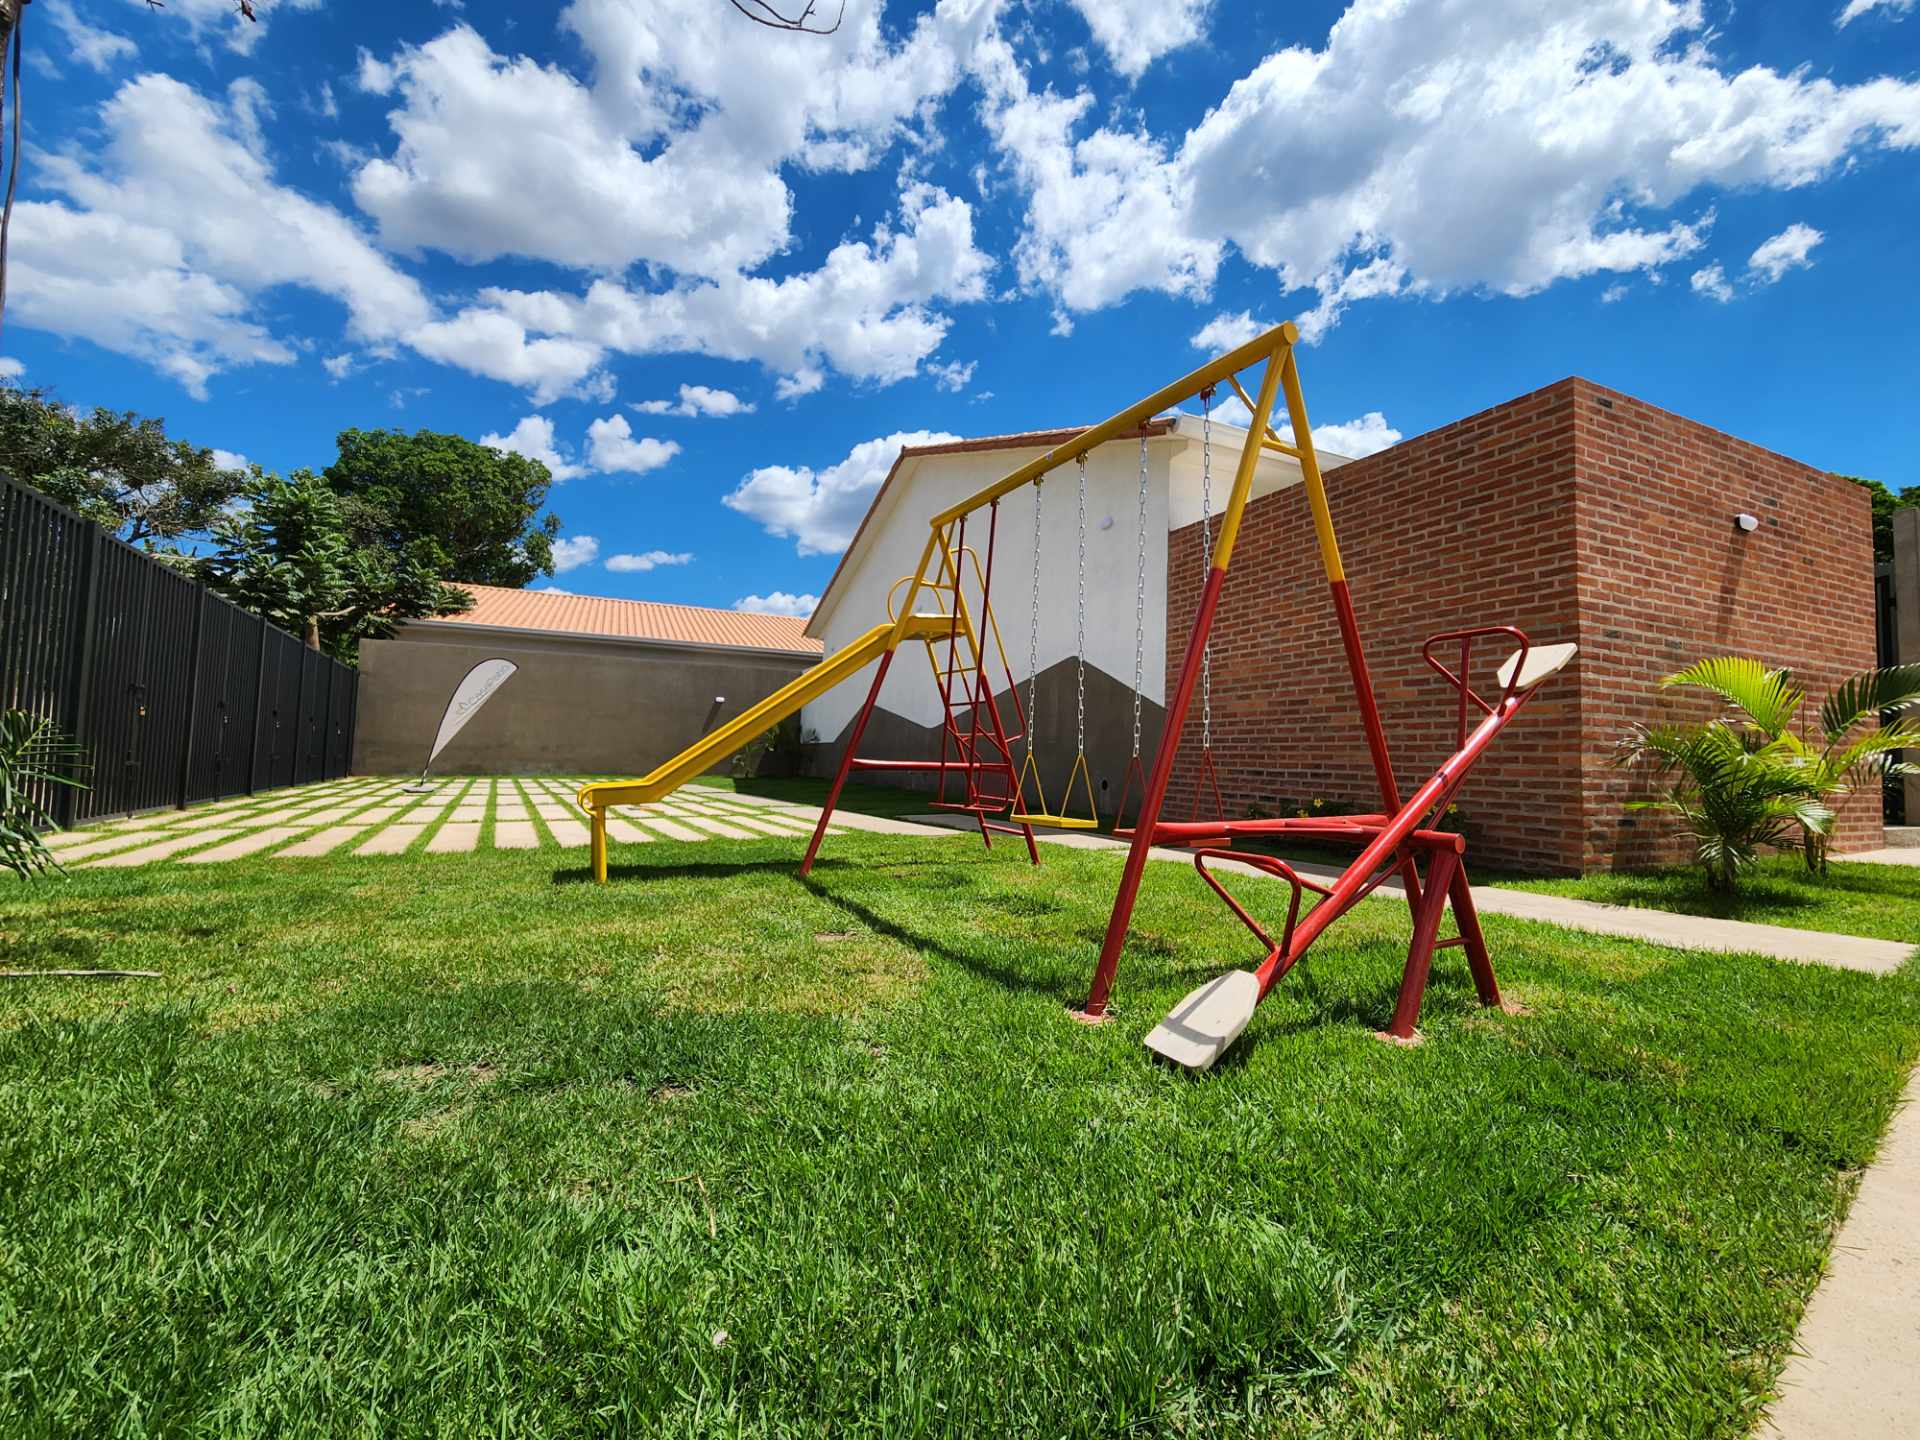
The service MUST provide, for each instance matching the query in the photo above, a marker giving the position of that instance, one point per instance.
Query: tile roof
(556, 613)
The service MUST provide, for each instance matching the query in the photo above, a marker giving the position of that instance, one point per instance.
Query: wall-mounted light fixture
(1747, 523)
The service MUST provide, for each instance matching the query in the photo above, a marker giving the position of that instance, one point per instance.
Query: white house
(1120, 601)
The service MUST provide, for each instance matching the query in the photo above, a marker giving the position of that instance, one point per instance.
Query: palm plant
(33, 755)
(1729, 788)
(1749, 778)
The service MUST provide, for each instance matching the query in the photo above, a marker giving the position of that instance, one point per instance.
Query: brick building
(1576, 513)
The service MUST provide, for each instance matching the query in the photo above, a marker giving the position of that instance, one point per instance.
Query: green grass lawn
(1881, 901)
(462, 1145)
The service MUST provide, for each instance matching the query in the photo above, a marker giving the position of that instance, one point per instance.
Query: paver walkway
(376, 816)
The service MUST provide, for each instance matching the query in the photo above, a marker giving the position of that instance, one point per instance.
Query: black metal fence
(177, 694)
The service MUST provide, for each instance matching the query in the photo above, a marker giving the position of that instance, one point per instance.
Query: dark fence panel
(177, 695)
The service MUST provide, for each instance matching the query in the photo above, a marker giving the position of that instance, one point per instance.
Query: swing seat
(1056, 822)
(1046, 817)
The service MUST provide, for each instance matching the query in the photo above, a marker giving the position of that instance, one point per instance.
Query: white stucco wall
(897, 531)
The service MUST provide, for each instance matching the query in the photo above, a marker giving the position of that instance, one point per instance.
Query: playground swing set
(978, 745)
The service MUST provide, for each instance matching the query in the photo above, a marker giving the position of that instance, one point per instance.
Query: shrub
(33, 756)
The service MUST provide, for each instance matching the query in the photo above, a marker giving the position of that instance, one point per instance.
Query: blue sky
(957, 219)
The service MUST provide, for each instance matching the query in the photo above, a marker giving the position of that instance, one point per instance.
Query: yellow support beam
(1277, 341)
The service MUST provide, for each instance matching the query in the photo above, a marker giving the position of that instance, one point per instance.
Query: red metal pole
(1370, 722)
(846, 762)
(1426, 926)
(1116, 938)
(1467, 919)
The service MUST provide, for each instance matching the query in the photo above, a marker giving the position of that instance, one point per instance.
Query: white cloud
(865, 312)
(651, 560)
(1351, 438)
(551, 590)
(698, 400)
(1614, 293)
(1465, 145)
(220, 17)
(954, 376)
(533, 438)
(230, 459)
(1228, 332)
(338, 366)
(778, 602)
(1856, 8)
(1135, 33)
(611, 446)
(572, 551)
(803, 381)
(1712, 283)
(487, 342)
(11, 368)
(92, 46)
(671, 156)
(821, 510)
(1789, 250)
(173, 231)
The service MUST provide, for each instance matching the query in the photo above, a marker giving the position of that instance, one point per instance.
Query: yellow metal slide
(710, 750)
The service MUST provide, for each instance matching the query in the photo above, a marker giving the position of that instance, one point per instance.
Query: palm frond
(1768, 697)
(1871, 692)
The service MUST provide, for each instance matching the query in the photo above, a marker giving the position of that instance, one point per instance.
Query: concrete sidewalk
(1855, 1373)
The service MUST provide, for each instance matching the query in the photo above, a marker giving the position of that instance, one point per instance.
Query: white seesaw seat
(1199, 1029)
(1543, 662)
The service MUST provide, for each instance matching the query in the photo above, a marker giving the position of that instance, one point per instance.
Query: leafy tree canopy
(289, 554)
(114, 467)
(1885, 502)
(477, 507)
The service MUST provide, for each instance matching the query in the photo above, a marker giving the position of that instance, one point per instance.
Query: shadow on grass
(999, 975)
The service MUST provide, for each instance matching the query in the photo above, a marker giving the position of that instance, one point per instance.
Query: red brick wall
(1472, 524)
(1666, 578)
(1553, 512)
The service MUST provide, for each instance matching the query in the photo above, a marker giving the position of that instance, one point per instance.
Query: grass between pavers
(1878, 901)
(461, 1143)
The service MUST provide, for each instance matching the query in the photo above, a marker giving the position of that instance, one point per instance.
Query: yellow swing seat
(1043, 816)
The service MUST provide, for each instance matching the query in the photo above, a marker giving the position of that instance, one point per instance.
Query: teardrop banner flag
(468, 696)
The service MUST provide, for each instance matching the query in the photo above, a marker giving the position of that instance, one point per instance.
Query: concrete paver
(321, 842)
(245, 845)
(568, 832)
(515, 835)
(456, 837)
(392, 840)
(160, 850)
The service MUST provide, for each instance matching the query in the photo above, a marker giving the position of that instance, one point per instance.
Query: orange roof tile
(560, 614)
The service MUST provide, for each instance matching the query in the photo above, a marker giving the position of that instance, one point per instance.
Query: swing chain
(1033, 627)
(1140, 597)
(1206, 561)
(1080, 623)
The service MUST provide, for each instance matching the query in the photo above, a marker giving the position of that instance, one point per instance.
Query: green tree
(116, 468)
(1885, 502)
(289, 554)
(478, 507)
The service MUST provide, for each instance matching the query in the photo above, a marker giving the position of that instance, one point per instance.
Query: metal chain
(1080, 622)
(1206, 561)
(1140, 598)
(1033, 628)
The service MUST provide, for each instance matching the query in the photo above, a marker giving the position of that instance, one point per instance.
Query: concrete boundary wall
(579, 705)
